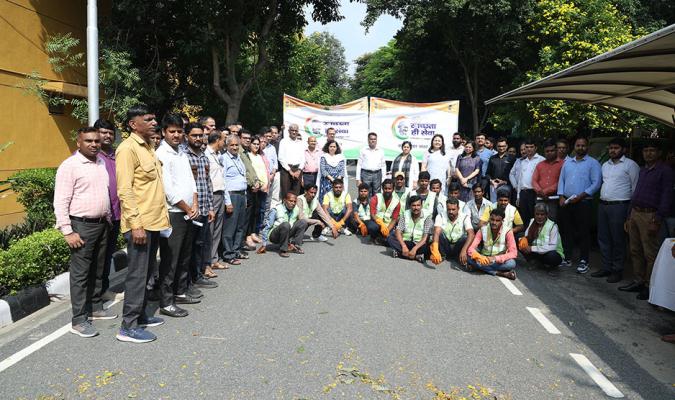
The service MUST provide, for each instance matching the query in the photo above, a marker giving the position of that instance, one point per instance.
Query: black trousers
(574, 221)
(234, 227)
(109, 250)
(374, 229)
(174, 253)
(527, 199)
(549, 259)
(450, 250)
(86, 269)
(285, 233)
(396, 245)
(316, 231)
(308, 178)
(142, 264)
(201, 248)
(288, 184)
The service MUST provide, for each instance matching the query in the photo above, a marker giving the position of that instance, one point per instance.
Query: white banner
(350, 121)
(397, 121)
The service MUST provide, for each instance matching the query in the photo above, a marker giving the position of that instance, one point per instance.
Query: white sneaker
(326, 231)
(309, 239)
(346, 232)
(321, 238)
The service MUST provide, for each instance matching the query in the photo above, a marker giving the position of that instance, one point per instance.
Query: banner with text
(350, 121)
(397, 121)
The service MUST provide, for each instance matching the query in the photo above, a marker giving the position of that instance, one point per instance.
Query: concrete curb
(59, 286)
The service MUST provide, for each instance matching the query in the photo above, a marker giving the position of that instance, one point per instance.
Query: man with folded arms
(144, 216)
(452, 234)
(82, 209)
(181, 198)
(493, 249)
(284, 227)
(412, 232)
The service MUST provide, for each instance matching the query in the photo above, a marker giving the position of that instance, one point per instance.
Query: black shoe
(187, 299)
(173, 311)
(631, 287)
(644, 293)
(153, 295)
(194, 292)
(615, 277)
(600, 274)
(205, 283)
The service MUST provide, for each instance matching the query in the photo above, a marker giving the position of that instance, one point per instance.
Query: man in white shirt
(292, 160)
(181, 198)
(216, 144)
(454, 151)
(371, 167)
(619, 178)
(521, 179)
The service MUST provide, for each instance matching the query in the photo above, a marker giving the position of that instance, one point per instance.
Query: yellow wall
(40, 139)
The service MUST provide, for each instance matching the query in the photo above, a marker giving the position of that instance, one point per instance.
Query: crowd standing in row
(206, 197)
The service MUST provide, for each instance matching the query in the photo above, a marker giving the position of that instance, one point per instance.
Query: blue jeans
(494, 267)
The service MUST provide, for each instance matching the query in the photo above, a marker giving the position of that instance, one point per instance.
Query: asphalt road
(344, 320)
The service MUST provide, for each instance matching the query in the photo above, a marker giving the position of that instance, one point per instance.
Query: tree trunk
(233, 108)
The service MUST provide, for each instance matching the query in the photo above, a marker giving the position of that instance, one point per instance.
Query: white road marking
(512, 288)
(21, 354)
(548, 325)
(597, 376)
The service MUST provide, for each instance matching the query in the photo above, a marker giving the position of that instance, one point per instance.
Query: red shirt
(546, 175)
(373, 208)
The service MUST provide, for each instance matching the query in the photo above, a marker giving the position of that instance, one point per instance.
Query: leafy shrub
(33, 260)
(34, 189)
(18, 231)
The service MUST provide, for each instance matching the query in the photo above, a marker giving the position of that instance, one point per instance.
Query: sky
(352, 35)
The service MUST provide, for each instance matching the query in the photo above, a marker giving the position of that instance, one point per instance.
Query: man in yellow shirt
(512, 219)
(144, 217)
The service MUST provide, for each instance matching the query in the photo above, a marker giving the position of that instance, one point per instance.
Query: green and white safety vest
(402, 198)
(428, 204)
(363, 211)
(383, 212)
(414, 230)
(544, 237)
(308, 209)
(336, 204)
(493, 246)
(509, 215)
(455, 230)
(283, 215)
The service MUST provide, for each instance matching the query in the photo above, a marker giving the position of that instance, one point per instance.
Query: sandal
(208, 272)
(284, 254)
(298, 250)
(233, 261)
(219, 266)
(243, 256)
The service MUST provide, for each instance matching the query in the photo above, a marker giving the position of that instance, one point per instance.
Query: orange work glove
(339, 225)
(384, 230)
(363, 228)
(435, 254)
(523, 243)
(480, 259)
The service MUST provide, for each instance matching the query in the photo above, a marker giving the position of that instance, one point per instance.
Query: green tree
(379, 74)
(567, 33)
(475, 42)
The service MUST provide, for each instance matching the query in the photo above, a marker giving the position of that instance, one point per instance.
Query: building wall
(40, 139)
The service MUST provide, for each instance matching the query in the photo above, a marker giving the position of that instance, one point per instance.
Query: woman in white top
(436, 162)
(408, 164)
(259, 197)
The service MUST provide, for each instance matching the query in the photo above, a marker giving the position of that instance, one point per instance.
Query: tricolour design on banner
(398, 121)
(350, 121)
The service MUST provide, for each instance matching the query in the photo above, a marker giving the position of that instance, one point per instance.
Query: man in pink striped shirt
(82, 209)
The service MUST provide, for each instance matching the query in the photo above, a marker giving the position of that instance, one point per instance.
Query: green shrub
(34, 189)
(12, 233)
(33, 260)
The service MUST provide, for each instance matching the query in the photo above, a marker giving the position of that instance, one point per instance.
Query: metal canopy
(638, 76)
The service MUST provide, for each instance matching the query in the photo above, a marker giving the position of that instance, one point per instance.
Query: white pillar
(92, 60)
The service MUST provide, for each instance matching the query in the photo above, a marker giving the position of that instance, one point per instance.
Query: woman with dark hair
(257, 198)
(332, 166)
(467, 170)
(406, 163)
(436, 162)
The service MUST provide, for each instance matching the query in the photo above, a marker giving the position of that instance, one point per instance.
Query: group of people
(204, 197)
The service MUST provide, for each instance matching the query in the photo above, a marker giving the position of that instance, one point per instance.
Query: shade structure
(638, 76)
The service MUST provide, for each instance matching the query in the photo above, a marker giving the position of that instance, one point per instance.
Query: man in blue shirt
(484, 154)
(234, 197)
(580, 179)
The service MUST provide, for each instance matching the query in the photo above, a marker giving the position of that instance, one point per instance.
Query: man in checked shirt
(200, 265)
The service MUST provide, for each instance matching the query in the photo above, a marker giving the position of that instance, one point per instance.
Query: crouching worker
(411, 235)
(493, 249)
(452, 234)
(338, 206)
(312, 213)
(284, 227)
(384, 212)
(541, 242)
(361, 211)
